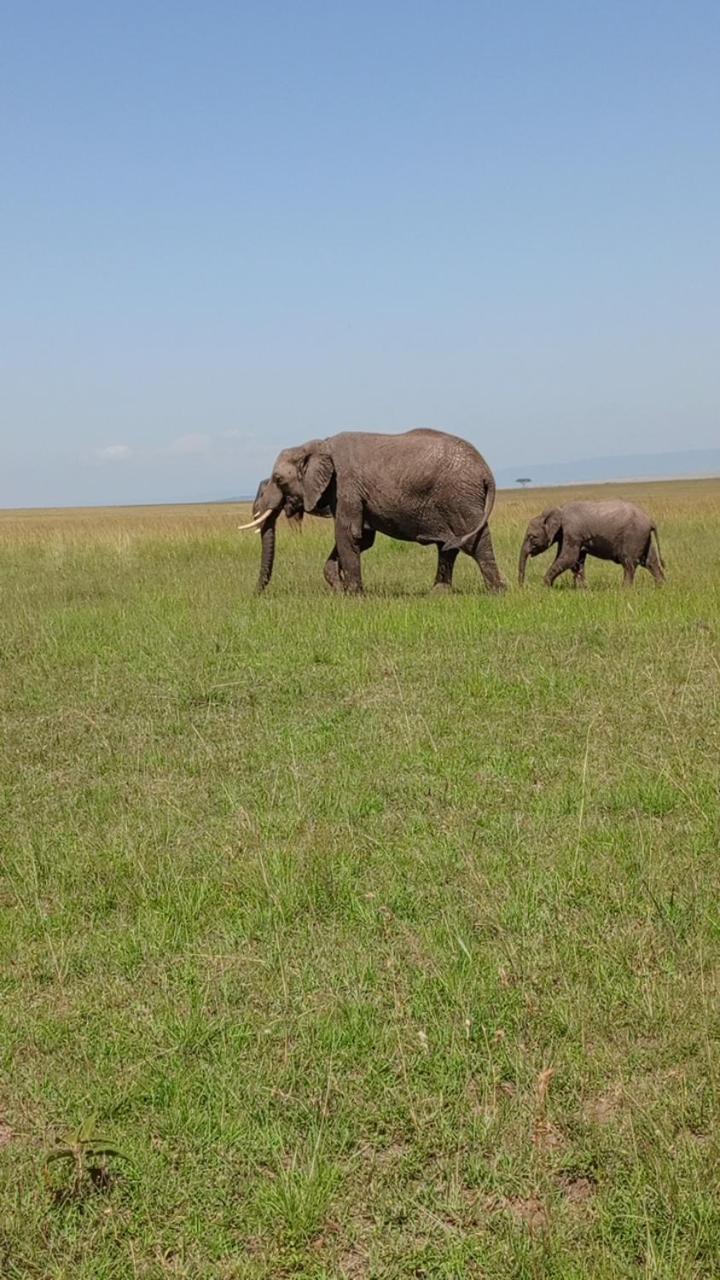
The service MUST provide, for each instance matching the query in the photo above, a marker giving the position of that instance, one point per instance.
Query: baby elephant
(611, 530)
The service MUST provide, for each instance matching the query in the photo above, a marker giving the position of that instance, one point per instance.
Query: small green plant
(299, 1198)
(87, 1156)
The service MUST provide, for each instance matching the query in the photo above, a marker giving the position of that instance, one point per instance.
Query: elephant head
(300, 480)
(541, 532)
(293, 517)
(261, 508)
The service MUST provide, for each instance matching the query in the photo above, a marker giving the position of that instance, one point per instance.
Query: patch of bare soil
(578, 1190)
(528, 1210)
(603, 1109)
(546, 1136)
(384, 1157)
(353, 1264)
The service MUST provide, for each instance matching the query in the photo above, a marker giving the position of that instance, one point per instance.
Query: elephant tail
(466, 541)
(653, 530)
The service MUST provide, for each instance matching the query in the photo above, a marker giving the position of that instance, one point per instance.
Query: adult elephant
(610, 529)
(421, 486)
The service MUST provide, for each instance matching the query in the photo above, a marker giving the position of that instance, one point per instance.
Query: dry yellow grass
(664, 498)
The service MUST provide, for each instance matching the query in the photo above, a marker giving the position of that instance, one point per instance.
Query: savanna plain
(375, 937)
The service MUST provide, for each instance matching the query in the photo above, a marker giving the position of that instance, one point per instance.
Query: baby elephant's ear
(318, 473)
(552, 520)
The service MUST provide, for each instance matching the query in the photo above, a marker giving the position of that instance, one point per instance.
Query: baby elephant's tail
(653, 530)
(467, 541)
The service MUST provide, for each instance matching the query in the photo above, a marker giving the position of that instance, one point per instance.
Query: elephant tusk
(252, 524)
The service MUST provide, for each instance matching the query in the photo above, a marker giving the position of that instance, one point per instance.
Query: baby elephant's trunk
(524, 553)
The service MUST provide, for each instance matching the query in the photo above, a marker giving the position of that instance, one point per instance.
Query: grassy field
(380, 936)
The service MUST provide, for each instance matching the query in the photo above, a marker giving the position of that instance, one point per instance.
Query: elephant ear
(552, 519)
(317, 474)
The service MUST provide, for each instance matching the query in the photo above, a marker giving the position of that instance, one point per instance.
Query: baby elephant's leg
(579, 570)
(566, 558)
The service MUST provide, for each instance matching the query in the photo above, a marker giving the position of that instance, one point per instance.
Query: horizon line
(501, 488)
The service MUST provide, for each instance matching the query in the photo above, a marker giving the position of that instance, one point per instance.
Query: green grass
(380, 936)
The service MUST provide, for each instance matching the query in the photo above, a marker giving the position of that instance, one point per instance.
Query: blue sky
(228, 227)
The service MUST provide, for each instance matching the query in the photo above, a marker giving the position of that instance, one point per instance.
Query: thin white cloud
(190, 445)
(114, 453)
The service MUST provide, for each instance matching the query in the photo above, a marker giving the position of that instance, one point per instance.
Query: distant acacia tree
(524, 481)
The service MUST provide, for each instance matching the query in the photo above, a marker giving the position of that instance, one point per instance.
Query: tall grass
(381, 935)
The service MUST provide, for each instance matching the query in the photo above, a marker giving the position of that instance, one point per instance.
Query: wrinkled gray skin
(611, 530)
(294, 518)
(422, 486)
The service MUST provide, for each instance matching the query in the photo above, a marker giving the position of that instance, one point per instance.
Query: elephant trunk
(267, 556)
(524, 553)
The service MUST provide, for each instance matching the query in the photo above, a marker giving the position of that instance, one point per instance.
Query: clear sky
(229, 226)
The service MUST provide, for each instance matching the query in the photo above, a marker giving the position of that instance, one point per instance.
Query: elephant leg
(331, 570)
(566, 558)
(445, 565)
(579, 570)
(652, 564)
(628, 573)
(484, 556)
(348, 539)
